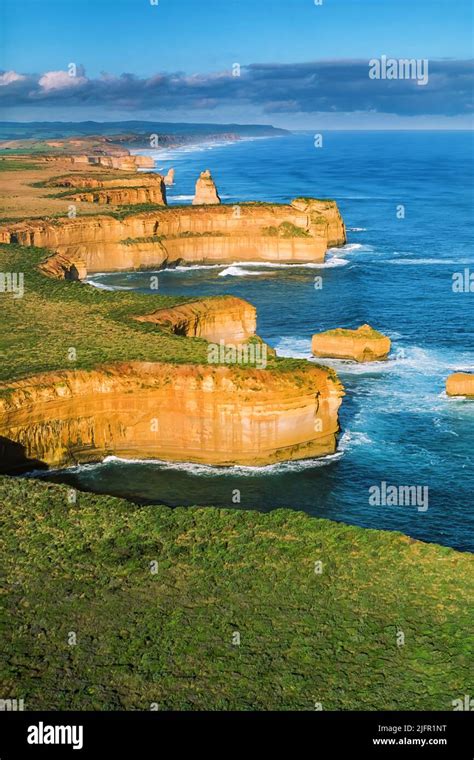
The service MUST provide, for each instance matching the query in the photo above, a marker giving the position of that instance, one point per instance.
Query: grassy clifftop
(169, 637)
(53, 316)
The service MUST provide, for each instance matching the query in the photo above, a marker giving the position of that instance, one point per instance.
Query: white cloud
(10, 76)
(59, 80)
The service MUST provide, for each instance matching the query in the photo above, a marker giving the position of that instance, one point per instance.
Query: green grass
(120, 213)
(166, 638)
(137, 208)
(16, 166)
(310, 199)
(77, 177)
(345, 332)
(179, 236)
(39, 148)
(285, 230)
(55, 315)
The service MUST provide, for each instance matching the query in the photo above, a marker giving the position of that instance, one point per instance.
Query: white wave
(191, 267)
(260, 264)
(238, 272)
(408, 359)
(190, 197)
(334, 261)
(212, 470)
(357, 229)
(102, 286)
(294, 348)
(426, 262)
(351, 438)
(351, 247)
(182, 151)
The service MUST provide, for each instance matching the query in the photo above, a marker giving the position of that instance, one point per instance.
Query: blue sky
(203, 38)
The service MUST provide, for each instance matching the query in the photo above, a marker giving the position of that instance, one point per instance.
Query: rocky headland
(224, 318)
(298, 233)
(196, 413)
(155, 392)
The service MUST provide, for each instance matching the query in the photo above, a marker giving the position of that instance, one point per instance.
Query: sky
(303, 63)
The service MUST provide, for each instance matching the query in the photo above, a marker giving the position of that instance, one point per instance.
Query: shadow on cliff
(13, 459)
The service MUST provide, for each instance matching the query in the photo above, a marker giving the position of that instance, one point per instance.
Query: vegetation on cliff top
(368, 332)
(16, 166)
(53, 316)
(285, 230)
(166, 637)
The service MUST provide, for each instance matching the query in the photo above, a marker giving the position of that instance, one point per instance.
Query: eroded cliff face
(206, 191)
(124, 196)
(124, 162)
(227, 318)
(127, 190)
(198, 413)
(460, 384)
(299, 232)
(361, 345)
(169, 177)
(88, 181)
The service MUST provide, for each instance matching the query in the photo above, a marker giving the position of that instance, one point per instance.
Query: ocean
(407, 200)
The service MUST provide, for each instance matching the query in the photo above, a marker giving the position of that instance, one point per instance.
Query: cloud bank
(338, 86)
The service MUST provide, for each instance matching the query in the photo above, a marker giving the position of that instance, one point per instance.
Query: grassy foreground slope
(167, 637)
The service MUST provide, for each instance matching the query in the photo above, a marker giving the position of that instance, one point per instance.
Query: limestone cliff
(219, 415)
(124, 163)
(460, 384)
(124, 196)
(169, 177)
(206, 191)
(216, 234)
(362, 345)
(323, 213)
(113, 180)
(226, 318)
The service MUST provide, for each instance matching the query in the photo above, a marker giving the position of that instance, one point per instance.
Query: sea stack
(206, 191)
(169, 177)
(460, 384)
(362, 345)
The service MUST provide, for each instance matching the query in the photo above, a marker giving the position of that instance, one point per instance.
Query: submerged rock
(362, 345)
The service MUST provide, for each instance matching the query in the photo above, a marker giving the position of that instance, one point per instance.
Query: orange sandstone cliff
(123, 196)
(206, 191)
(460, 384)
(169, 177)
(299, 232)
(199, 413)
(362, 345)
(226, 318)
(127, 190)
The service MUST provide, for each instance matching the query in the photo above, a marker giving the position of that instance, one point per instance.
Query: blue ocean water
(398, 426)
